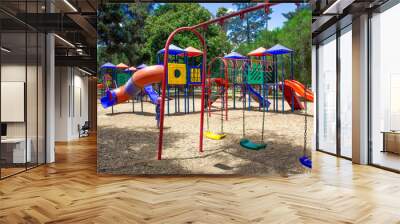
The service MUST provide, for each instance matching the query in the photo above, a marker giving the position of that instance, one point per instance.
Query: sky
(276, 21)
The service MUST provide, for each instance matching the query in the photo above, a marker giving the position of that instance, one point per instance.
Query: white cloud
(231, 10)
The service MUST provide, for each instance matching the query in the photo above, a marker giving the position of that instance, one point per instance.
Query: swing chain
(205, 72)
(222, 110)
(244, 106)
(263, 121)
(305, 121)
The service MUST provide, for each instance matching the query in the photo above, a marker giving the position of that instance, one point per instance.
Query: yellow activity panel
(176, 74)
(195, 75)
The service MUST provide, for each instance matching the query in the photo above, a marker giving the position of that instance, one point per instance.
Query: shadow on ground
(133, 151)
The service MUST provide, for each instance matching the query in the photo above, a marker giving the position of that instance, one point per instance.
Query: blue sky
(277, 19)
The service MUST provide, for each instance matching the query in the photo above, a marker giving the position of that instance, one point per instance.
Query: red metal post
(203, 85)
(164, 84)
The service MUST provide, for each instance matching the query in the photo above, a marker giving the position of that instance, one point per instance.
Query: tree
(300, 6)
(121, 35)
(222, 11)
(245, 30)
(167, 17)
(266, 38)
(295, 34)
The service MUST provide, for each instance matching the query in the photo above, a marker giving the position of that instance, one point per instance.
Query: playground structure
(258, 75)
(263, 72)
(184, 75)
(255, 77)
(112, 76)
(183, 78)
(304, 160)
(141, 80)
(107, 77)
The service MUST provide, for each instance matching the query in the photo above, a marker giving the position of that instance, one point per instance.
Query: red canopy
(122, 66)
(193, 52)
(258, 52)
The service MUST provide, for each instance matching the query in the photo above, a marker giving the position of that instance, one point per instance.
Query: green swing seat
(248, 144)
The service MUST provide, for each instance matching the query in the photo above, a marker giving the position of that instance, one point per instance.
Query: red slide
(288, 94)
(299, 89)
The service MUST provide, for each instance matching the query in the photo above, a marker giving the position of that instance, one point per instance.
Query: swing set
(244, 142)
(221, 84)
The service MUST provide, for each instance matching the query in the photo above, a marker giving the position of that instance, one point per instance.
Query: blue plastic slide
(152, 94)
(154, 99)
(256, 96)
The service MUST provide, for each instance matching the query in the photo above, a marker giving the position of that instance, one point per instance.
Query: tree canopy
(248, 28)
(134, 33)
(168, 17)
(294, 34)
(119, 32)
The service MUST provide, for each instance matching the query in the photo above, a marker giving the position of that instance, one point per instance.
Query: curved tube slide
(299, 88)
(140, 79)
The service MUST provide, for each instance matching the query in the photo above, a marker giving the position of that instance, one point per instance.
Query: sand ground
(128, 142)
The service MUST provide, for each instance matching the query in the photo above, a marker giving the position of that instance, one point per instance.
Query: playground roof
(258, 52)
(141, 66)
(279, 49)
(122, 66)
(193, 52)
(130, 69)
(234, 55)
(173, 50)
(108, 65)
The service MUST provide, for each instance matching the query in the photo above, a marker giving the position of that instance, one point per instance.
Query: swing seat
(214, 136)
(248, 144)
(305, 161)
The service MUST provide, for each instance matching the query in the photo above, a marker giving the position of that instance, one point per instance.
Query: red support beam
(164, 85)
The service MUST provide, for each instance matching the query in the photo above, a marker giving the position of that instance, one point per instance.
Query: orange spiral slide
(140, 79)
(300, 89)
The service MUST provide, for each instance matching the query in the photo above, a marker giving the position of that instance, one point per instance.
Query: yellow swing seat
(214, 136)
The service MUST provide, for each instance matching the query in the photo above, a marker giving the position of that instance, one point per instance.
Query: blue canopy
(108, 65)
(279, 49)
(234, 55)
(141, 66)
(172, 50)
